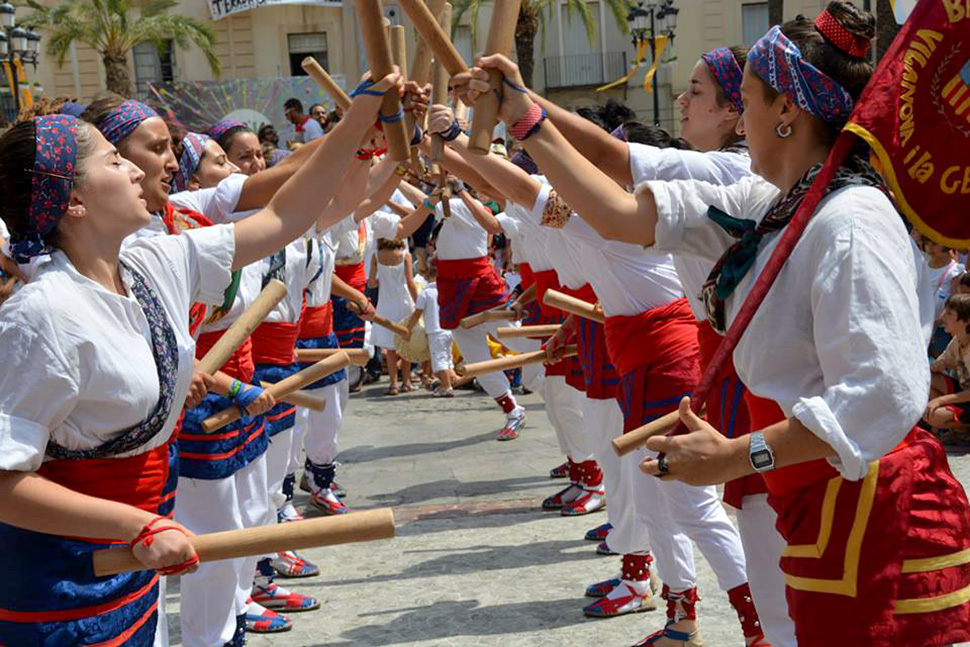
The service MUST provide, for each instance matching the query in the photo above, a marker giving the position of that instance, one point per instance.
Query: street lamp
(16, 42)
(644, 19)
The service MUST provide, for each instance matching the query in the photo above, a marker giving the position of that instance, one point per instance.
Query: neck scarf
(53, 173)
(193, 147)
(724, 67)
(122, 121)
(166, 352)
(738, 260)
(779, 63)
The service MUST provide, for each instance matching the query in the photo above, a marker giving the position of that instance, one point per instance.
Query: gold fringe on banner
(637, 62)
(648, 77)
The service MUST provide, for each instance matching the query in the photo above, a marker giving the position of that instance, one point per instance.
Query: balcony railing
(584, 69)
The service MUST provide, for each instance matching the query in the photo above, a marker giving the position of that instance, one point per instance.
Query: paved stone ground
(475, 562)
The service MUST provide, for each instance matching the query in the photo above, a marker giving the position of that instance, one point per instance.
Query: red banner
(915, 114)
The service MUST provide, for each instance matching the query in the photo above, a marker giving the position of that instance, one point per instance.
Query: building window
(303, 45)
(153, 64)
(754, 22)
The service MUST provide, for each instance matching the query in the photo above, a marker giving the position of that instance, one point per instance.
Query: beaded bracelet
(235, 389)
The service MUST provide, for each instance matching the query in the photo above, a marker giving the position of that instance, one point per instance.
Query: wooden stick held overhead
(515, 361)
(358, 356)
(370, 525)
(301, 399)
(572, 305)
(378, 55)
(496, 314)
(421, 61)
(243, 327)
(325, 81)
(501, 37)
(534, 332)
(432, 33)
(282, 388)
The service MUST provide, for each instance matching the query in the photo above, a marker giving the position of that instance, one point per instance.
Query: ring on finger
(662, 466)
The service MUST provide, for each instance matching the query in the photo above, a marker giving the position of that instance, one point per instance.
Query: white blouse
(531, 239)
(77, 358)
(218, 203)
(297, 277)
(837, 342)
(461, 236)
(651, 163)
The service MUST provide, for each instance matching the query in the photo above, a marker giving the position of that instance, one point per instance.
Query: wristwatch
(760, 455)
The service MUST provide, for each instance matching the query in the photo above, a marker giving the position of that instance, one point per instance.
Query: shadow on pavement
(363, 454)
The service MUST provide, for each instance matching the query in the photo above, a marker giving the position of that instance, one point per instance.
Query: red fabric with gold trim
(849, 543)
(727, 411)
(915, 114)
(317, 322)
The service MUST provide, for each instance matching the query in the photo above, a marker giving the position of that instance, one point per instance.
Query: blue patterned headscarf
(223, 126)
(53, 171)
(779, 63)
(122, 121)
(724, 67)
(193, 147)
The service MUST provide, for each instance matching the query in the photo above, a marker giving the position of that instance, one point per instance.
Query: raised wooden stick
(426, 24)
(439, 90)
(324, 80)
(572, 305)
(243, 327)
(282, 388)
(301, 399)
(501, 36)
(358, 356)
(496, 314)
(369, 525)
(381, 320)
(534, 332)
(514, 361)
(421, 61)
(378, 55)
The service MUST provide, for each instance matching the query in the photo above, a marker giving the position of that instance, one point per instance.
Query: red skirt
(466, 287)
(881, 562)
(727, 411)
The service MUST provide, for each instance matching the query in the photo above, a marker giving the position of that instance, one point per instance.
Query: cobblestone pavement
(475, 562)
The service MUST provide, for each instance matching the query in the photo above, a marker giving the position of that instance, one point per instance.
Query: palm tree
(108, 27)
(532, 17)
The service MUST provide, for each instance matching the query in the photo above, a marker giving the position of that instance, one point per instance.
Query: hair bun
(847, 28)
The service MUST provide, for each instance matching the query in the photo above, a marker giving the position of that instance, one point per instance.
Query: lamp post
(16, 42)
(645, 18)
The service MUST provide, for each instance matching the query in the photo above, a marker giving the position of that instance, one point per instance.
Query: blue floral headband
(122, 121)
(223, 126)
(193, 147)
(724, 67)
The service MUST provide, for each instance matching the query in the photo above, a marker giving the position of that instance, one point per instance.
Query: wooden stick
(496, 314)
(439, 90)
(534, 332)
(243, 327)
(282, 388)
(629, 441)
(324, 80)
(381, 320)
(369, 525)
(426, 24)
(358, 356)
(301, 399)
(572, 305)
(501, 36)
(515, 361)
(378, 55)
(421, 61)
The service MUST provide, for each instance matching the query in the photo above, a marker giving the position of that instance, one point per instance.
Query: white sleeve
(867, 335)
(385, 225)
(651, 163)
(683, 226)
(341, 227)
(4, 232)
(37, 392)
(509, 224)
(217, 203)
(422, 301)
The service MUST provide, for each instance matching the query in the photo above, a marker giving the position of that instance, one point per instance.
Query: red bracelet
(146, 537)
(528, 123)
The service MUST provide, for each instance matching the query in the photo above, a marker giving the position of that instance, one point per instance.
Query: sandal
(406, 387)
(393, 390)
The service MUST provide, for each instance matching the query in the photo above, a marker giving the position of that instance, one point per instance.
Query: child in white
(391, 270)
(439, 340)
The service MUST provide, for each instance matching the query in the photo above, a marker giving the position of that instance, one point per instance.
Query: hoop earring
(783, 131)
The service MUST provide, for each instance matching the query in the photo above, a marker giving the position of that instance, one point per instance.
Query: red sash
(239, 365)
(273, 343)
(640, 340)
(528, 276)
(317, 322)
(354, 275)
(547, 280)
(467, 286)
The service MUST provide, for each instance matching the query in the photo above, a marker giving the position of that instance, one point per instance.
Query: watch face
(761, 459)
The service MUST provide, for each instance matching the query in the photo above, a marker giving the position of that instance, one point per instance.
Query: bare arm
(602, 149)
(455, 165)
(483, 216)
(380, 188)
(260, 188)
(297, 204)
(352, 190)
(372, 275)
(409, 276)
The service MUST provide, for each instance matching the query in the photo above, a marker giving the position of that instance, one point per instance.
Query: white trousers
(277, 465)
(564, 407)
(532, 374)
(474, 348)
(604, 422)
(762, 550)
(209, 597)
(319, 429)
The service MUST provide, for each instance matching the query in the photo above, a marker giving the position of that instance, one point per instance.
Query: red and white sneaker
(276, 598)
(289, 564)
(514, 421)
(260, 620)
(328, 503)
(560, 471)
(592, 500)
